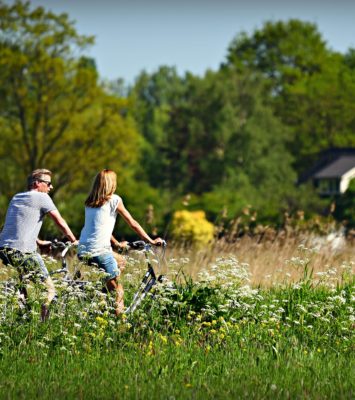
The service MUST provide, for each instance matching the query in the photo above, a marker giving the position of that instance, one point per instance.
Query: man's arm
(41, 242)
(62, 225)
(45, 246)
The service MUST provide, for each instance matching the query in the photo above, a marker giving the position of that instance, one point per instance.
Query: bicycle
(72, 289)
(75, 287)
(14, 291)
(74, 280)
(150, 278)
(10, 290)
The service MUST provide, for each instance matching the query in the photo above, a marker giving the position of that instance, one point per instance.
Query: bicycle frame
(149, 280)
(10, 288)
(17, 287)
(64, 270)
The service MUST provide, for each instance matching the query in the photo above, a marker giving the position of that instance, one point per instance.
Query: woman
(101, 209)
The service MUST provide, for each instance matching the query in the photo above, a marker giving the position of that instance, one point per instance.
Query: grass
(177, 373)
(267, 261)
(214, 332)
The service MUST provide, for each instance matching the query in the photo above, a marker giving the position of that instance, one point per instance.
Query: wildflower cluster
(215, 310)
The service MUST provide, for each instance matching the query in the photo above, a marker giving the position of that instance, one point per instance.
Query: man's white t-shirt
(24, 219)
(95, 237)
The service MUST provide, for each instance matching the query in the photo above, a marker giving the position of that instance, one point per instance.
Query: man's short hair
(36, 175)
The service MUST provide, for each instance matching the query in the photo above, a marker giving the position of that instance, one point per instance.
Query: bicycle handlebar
(56, 244)
(141, 245)
(136, 245)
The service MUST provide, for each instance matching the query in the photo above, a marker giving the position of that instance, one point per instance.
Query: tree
(155, 96)
(321, 110)
(256, 167)
(311, 87)
(53, 112)
(218, 136)
(282, 51)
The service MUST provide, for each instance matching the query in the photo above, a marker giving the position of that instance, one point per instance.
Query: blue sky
(192, 35)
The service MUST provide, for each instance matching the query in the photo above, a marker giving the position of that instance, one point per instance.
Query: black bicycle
(12, 294)
(14, 291)
(76, 287)
(74, 279)
(150, 278)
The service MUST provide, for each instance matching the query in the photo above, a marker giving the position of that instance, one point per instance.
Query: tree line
(236, 137)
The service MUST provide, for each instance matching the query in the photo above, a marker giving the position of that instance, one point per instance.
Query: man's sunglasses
(48, 183)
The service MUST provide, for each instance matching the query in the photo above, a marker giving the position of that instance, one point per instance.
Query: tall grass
(271, 262)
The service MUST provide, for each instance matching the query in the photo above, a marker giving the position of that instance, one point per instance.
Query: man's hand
(122, 245)
(45, 246)
(119, 246)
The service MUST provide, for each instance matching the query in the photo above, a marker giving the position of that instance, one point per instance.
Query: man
(19, 237)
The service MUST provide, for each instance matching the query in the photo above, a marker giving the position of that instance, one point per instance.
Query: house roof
(337, 168)
(324, 159)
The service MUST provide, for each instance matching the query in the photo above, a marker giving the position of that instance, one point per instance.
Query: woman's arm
(121, 209)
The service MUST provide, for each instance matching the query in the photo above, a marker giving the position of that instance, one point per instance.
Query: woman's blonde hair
(103, 187)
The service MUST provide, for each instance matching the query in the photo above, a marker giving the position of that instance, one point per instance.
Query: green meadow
(214, 335)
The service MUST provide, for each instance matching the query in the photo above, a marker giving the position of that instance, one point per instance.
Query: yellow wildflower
(163, 338)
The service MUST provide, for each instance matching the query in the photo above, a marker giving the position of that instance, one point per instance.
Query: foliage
(311, 87)
(233, 139)
(154, 97)
(221, 141)
(54, 114)
(192, 227)
(238, 137)
(282, 51)
(321, 108)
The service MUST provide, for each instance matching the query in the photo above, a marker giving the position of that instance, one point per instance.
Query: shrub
(192, 226)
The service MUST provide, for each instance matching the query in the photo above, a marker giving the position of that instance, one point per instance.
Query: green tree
(321, 109)
(255, 164)
(311, 87)
(155, 96)
(218, 136)
(282, 51)
(53, 111)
